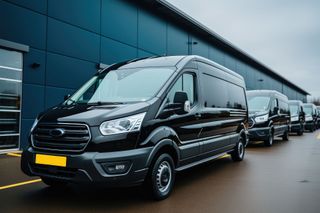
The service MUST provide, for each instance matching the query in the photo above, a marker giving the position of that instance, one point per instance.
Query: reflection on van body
(140, 121)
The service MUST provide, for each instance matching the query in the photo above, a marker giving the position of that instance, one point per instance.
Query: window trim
(195, 73)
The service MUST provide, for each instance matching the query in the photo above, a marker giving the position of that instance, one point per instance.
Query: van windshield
(307, 110)
(294, 109)
(258, 103)
(121, 86)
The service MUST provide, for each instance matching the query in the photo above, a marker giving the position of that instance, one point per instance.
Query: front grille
(75, 137)
(251, 122)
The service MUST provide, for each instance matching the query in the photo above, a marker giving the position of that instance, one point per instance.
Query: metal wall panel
(113, 51)
(72, 41)
(119, 21)
(63, 71)
(22, 25)
(177, 41)
(152, 33)
(82, 13)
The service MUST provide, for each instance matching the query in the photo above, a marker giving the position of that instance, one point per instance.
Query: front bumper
(309, 125)
(257, 134)
(87, 167)
(296, 127)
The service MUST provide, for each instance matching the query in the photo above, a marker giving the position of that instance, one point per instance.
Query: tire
(269, 141)
(238, 153)
(53, 183)
(285, 136)
(161, 178)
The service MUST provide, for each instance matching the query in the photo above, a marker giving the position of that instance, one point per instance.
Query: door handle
(197, 115)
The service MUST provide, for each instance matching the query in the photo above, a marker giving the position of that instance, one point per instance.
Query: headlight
(262, 118)
(122, 125)
(308, 118)
(34, 124)
(295, 118)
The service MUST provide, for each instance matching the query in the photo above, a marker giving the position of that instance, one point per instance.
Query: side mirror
(181, 99)
(276, 110)
(180, 105)
(66, 97)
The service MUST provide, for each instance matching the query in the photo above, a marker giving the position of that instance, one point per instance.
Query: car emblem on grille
(58, 132)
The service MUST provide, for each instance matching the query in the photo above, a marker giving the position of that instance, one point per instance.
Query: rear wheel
(269, 140)
(53, 183)
(239, 151)
(161, 177)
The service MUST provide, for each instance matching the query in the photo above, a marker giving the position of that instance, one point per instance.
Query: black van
(269, 115)
(310, 116)
(141, 121)
(297, 116)
(318, 110)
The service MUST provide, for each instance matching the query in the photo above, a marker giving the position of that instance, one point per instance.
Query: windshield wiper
(104, 103)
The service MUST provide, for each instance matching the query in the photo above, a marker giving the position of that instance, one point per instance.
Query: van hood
(257, 113)
(91, 115)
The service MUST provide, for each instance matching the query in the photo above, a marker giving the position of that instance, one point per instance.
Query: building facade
(49, 48)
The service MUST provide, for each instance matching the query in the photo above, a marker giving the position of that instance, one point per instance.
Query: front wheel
(269, 140)
(239, 151)
(162, 176)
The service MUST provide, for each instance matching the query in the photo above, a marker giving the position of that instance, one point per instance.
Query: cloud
(284, 35)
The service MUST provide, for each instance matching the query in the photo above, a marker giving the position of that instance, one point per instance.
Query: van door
(215, 114)
(186, 125)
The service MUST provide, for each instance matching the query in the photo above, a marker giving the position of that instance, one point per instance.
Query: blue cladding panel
(142, 54)
(68, 72)
(32, 100)
(83, 13)
(55, 95)
(113, 51)
(177, 41)
(230, 62)
(119, 21)
(37, 5)
(201, 48)
(72, 41)
(216, 55)
(151, 33)
(34, 75)
(22, 25)
(26, 125)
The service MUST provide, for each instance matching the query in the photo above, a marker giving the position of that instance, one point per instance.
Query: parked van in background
(318, 109)
(297, 116)
(310, 111)
(141, 121)
(269, 115)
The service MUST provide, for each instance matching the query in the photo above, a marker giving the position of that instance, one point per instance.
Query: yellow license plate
(51, 160)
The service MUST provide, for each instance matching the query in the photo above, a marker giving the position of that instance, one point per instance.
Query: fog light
(116, 167)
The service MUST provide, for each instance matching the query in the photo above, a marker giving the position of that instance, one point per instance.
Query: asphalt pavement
(278, 179)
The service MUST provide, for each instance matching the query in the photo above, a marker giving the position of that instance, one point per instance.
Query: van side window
(185, 83)
(222, 94)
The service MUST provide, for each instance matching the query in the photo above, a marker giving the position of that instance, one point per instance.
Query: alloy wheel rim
(240, 150)
(164, 176)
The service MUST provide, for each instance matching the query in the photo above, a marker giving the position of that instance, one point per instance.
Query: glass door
(10, 98)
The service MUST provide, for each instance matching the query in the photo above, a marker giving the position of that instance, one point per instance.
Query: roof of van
(309, 104)
(295, 102)
(267, 92)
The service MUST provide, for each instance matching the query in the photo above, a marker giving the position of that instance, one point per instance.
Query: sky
(282, 34)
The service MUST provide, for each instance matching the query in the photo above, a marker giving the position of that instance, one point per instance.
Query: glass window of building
(10, 98)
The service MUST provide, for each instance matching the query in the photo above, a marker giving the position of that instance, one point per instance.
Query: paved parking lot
(283, 178)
